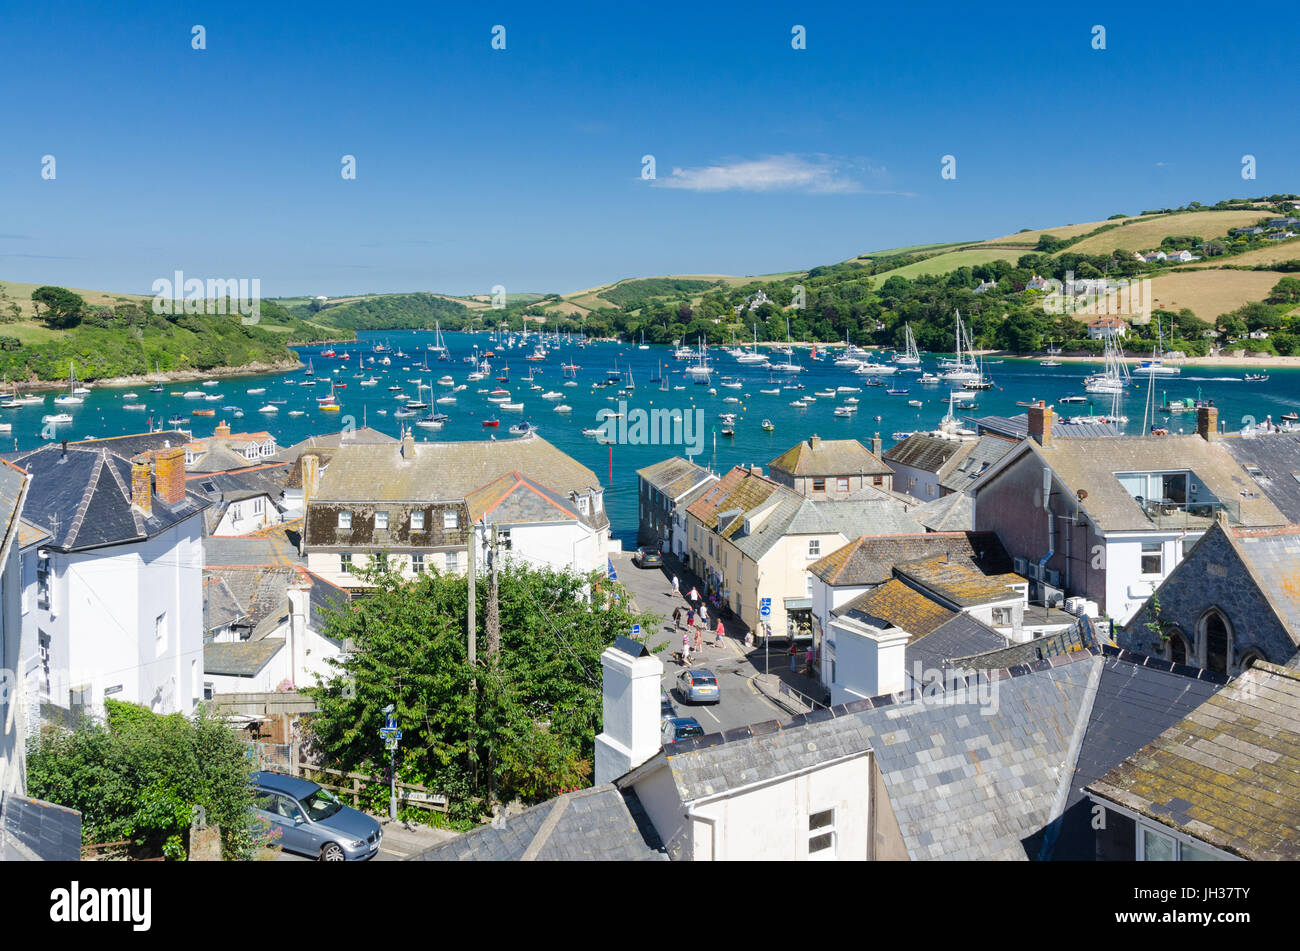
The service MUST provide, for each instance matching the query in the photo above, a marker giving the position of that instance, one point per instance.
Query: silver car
(312, 821)
(698, 686)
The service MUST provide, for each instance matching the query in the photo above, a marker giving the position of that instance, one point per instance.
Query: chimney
(408, 444)
(299, 609)
(630, 699)
(223, 429)
(1040, 423)
(142, 484)
(169, 474)
(310, 477)
(876, 445)
(814, 442)
(1207, 423)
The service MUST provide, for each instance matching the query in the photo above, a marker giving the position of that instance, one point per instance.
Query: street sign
(636, 630)
(390, 722)
(765, 607)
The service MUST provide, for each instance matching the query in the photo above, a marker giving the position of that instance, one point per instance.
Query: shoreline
(166, 376)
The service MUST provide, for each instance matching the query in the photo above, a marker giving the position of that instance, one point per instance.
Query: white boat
(516, 407)
(269, 408)
(194, 394)
(842, 411)
(775, 392)
(370, 381)
(552, 395)
(446, 381)
(964, 369)
(1156, 365)
(914, 403)
(445, 399)
(911, 356)
(564, 408)
(56, 418)
(6, 427)
(256, 391)
(130, 396)
(297, 412)
(876, 369)
(133, 406)
(209, 382)
(72, 399)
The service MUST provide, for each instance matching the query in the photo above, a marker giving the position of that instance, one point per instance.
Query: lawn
(21, 293)
(950, 261)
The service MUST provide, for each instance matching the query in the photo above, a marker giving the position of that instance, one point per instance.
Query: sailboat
(911, 356)
(644, 345)
(1156, 365)
(701, 371)
(752, 355)
(1114, 377)
(72, 398)
(437, 346)
(964, 369)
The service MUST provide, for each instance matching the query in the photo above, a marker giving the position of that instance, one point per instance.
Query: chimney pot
(142, 484)
(1041, 418)
(1207, 423)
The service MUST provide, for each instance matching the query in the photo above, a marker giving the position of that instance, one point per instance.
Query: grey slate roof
(223, 488)
(603, 824)
(1277, 456)
(870, 560)
(33, 830)
(220, 606)
(1273, 557)
(1017, 427)
(12, 482)
(675, 476)
(83, 499)
(959, 636)
(983, 453)
(797, 515)
(954, 512)
(135, 443)
(240, 658)
(924, 452)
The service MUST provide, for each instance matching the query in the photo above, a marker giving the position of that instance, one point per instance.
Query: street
(741, 703)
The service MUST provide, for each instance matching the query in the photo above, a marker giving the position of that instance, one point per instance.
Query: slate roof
(1225, 773)
(270, 549)
(980, 455)
(924, 452)
(675, 476)
(240, 658)
(220, 606)
(1272, 556)
(1134, 704)
(1091, 464)
(29, 534)
(448, 471)
(1277, 456)
(133, 444)
(601, 824)
(899, 606)
(954, 512)
(959, 582)
(515, 499)
(828, 457)
(958, 636)
(738, 489)
(797, 515)
(1017, 427)
(83, 499)
(361, 436)
(12, 482)
(223, 488)
(871, 559)
(32, 830)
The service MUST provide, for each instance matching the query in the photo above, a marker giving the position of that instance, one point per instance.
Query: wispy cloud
(817, 175)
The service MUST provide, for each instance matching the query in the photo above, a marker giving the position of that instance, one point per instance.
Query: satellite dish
(1083, 494)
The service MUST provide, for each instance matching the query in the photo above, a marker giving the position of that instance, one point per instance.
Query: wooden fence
(409, 794)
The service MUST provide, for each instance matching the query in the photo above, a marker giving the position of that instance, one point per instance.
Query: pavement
(742, 702)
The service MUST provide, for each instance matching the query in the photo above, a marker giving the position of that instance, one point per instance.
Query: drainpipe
(691, 816)
(1051, 528)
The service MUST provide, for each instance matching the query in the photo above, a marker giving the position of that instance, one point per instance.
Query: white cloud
(775, 173)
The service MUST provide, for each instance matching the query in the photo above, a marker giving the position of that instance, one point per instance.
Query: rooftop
(828, 457)
(1017, 427)
(898, 605)
(240, 658)
(675, 476)
(959, 582)
(1225, 773)
(926, 453)
(870, 559)
(1276, 459)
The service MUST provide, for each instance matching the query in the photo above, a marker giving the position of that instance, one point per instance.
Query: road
(401, 841)
(741, 704)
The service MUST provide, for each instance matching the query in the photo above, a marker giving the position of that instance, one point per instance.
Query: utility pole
(470, 546)
(493, 617)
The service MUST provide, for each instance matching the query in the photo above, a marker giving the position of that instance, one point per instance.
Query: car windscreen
(321, 804)
(690, 729)
(704, 681)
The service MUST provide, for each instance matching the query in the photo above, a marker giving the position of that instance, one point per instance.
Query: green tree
(1285, 291)
(525, 719)
(62, 307)
(141, 776)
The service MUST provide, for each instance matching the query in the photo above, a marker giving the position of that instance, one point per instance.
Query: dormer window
(584, 504)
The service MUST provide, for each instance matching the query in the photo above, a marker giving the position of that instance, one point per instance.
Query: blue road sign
(636, 630)
(765, 607)
(390, 722)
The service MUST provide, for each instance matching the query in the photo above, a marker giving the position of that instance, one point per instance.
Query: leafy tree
(62, 307)
(1285, 291)
(140, 776)
(524, 719)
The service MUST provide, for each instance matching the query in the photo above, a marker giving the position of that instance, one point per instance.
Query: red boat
(340, 386)
(492, 422)
(328, 353)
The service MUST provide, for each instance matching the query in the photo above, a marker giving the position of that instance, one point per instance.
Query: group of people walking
(697, 622)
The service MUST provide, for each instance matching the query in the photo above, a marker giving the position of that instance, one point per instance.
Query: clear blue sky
(522, 167)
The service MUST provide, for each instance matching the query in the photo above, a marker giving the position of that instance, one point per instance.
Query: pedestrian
(719, 634)
(694, 595)
(677, 619)
(749, 638)
(686, 649)
(699, 638)
(704, 613)
(675, 590)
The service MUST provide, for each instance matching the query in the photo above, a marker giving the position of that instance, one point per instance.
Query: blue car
(312, 821)
(679, 728)
(698, 686)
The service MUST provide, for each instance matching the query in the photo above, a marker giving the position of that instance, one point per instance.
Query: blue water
(1016, 381)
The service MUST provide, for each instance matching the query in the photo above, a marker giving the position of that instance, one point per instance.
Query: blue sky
(522, 167)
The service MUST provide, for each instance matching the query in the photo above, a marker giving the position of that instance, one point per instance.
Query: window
(911, 482)
(381, 520)
(1188, 544)
(417, 521)
(842, 485)
(207, 690)
(929, 489)
(1214, 634)
(345, 562)
(877, 480)
(44, 641)
(44, 582)
(450, 520)
(821, 834)
(257, 505)
(453, 561)
(819, 485)
(345, 519)
(1152, 558)
(1153, 846)
(814, 548)
(1001, 617)
(417, 563)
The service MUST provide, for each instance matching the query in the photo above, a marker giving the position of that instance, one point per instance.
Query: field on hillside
(1063, 232)
(21, 294)
(1282, 251)
(950, 261)
(1146, 233)
(913, 249)
(1210, 293)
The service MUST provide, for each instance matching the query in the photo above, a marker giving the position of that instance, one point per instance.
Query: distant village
(995, 632)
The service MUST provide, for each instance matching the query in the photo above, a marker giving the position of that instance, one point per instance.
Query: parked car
(312, 821)
(679, 728)
(698, 686)
(648, 558)
(667, 709)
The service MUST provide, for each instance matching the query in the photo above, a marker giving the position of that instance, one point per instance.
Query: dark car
(312, 821)
(679, 728)
(698, 686)
(667, 709)
(648, 558)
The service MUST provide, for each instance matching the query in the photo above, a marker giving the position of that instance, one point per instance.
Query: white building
(112, 599)
(13, 491)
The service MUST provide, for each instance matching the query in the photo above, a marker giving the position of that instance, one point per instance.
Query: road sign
(390, 722)
(636, 630)
(391, 733)
(765, 607)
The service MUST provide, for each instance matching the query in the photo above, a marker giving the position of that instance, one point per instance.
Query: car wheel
(332, 852)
